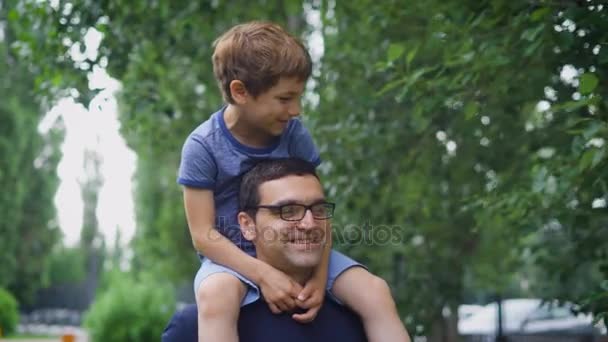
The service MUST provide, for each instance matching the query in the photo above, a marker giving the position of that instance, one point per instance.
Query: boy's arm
(322, 268)
(200, 213)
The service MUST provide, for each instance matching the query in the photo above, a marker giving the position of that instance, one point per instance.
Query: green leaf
(391, 85)
(470, 110)
(13, 15)
(293, 7)
(571, 106)
(586, 160)
(411, 55)
(539, 14)
(598, 157)
(395, 51)
(587, 83)
(593, 128)
(57, 79)
(532, 33)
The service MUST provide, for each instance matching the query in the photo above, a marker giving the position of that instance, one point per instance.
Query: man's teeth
(303, 241)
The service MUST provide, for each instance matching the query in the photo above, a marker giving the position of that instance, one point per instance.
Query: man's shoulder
(257, 323)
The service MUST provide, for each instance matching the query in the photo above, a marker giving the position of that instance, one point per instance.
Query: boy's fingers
(304, 294)
(275, 310)
(289, 304)
(314, 302)
(306, 317)
(282, 305)
(284, 302)
(304, 304)
(295, 291)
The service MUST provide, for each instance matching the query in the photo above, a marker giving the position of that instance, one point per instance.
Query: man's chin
(305, 254)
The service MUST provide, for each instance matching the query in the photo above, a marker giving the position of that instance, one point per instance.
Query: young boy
(261, 71)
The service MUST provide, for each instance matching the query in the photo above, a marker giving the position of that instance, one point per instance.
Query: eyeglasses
(296, 212)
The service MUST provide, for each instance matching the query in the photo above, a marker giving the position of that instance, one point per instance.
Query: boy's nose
(294, 110)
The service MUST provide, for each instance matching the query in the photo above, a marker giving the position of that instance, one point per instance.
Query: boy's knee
(219, 295)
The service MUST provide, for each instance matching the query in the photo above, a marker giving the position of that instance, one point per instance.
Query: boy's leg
(218, 298)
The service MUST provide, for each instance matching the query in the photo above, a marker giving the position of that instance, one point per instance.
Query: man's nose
(308, 221)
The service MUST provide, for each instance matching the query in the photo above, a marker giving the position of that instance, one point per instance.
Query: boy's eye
(284, 99)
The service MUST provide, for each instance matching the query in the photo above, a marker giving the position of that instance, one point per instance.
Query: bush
(130, 310)
(9, 312)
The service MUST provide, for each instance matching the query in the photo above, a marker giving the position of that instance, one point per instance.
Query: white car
(527, 317)
(466, 310)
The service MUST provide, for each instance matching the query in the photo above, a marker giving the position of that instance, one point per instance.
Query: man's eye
(290, 211)
(319, 210)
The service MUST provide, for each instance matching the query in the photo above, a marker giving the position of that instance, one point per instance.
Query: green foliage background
(28, 171)
(428, 120)
(130, 310)
(9, 314)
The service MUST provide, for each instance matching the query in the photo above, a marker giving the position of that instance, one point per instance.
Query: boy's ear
(238, 91)
(247, 225)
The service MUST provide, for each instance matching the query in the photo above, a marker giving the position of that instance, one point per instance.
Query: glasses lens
(292, 212)
(322, 210)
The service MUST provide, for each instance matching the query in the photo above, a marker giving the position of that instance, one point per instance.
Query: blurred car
(466, 310)
(529, 320)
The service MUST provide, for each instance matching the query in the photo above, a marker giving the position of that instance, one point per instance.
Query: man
(285, 214)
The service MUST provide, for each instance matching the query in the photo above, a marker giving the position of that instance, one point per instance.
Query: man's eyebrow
(292, 201)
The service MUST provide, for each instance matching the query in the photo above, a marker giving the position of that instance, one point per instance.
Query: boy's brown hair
(258, 54)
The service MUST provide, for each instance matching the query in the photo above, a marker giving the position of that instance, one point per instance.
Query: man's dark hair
(268, 170)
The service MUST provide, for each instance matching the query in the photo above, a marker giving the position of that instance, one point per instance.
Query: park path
(31, 340)
(78, 335)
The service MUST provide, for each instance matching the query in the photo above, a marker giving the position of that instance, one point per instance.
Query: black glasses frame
(281, 209)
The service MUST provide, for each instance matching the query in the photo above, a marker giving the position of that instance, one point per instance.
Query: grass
(17, 337)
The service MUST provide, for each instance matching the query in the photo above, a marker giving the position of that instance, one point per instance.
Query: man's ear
(239, 92)
(247, 224)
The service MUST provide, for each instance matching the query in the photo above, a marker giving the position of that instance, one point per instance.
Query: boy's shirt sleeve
(302, 146)
(197, 168)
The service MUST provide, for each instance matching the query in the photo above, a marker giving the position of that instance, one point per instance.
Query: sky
(96, 128)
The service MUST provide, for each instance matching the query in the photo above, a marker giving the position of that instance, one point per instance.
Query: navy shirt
(257, 323)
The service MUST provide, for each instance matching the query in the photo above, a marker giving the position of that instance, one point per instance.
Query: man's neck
(301, 275)
(241, 129)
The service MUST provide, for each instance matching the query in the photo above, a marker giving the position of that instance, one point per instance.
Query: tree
(91, 240)
(461, 159)
(28, 173)
(457, 148)
(161, 53)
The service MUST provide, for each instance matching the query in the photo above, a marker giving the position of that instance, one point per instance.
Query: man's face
(270, 111)
(290, 244)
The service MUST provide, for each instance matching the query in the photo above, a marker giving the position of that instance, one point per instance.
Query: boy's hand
(279, 290)
(311, 298)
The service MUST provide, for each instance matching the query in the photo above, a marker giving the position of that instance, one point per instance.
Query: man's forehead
(294, 187)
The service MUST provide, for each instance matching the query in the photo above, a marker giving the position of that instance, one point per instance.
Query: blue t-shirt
(213, 159)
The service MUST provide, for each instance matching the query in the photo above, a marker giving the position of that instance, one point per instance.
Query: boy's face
(270, 112)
